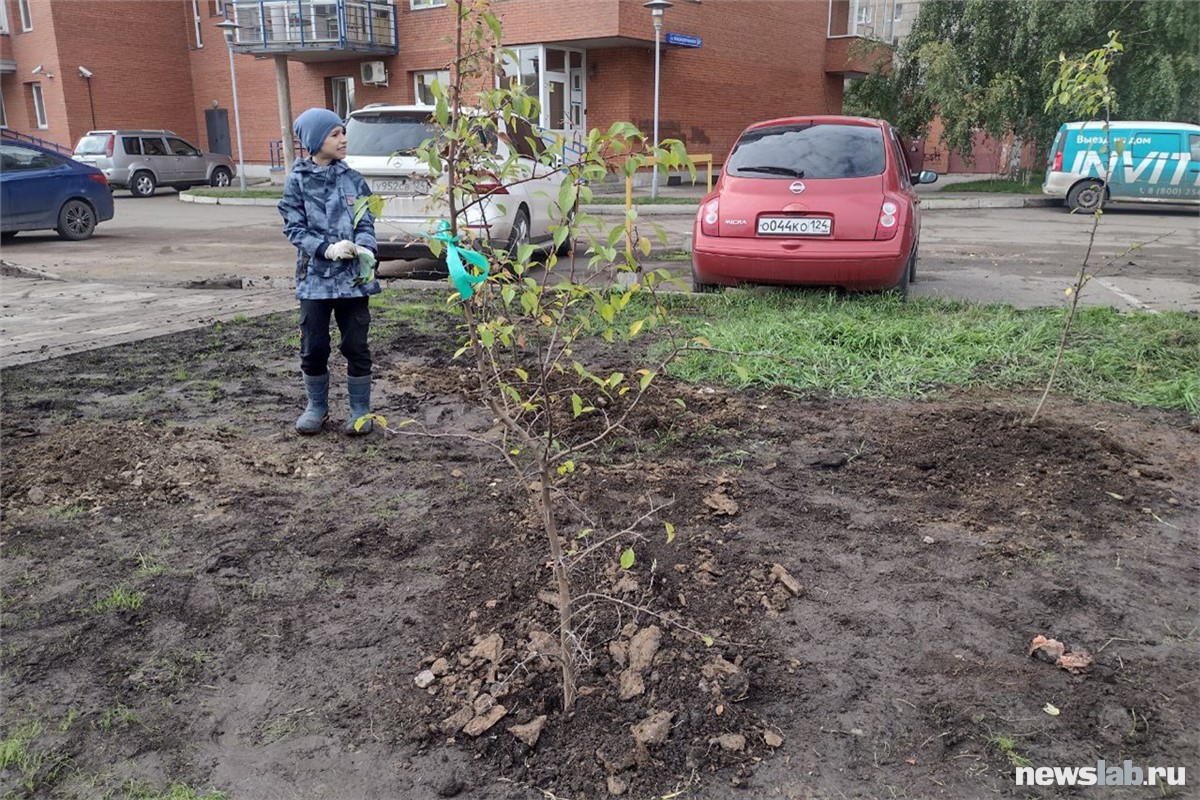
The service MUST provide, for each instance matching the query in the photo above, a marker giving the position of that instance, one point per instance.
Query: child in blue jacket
(318, 214)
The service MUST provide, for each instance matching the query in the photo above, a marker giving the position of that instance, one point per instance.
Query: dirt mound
(991, 468)
(660, 701)
(99, 464)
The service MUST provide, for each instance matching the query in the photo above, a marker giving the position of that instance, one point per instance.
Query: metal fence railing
(278, 156)
(316, 24)
(17, 136)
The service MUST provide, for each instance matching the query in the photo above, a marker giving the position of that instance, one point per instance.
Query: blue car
(41, 189)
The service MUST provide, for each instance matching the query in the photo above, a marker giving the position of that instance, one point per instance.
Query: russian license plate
(405, 186)
(794, 226)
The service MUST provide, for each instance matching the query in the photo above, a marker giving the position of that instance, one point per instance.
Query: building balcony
(855, 56)
(314, 30)
(861, 35)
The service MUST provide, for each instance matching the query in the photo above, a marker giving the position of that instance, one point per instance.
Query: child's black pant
(353, 320)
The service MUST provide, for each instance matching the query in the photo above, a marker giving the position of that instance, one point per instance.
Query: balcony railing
(314, 26)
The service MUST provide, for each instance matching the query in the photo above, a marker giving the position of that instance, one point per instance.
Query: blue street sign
(684, 40)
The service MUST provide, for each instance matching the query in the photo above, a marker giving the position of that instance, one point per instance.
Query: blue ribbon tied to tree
(463, 280)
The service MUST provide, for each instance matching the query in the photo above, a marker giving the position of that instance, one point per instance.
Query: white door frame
(544, 77)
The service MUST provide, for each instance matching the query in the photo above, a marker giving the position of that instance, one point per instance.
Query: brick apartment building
(67, 66)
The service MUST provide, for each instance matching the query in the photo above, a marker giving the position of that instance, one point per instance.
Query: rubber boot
(317, 389)
(359, 387)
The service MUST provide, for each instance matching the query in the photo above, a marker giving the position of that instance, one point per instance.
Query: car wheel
(901, 287)
(221, 177)
(76, 220)
(519, 234)
(912, 264)
(702, 288)
(1086, 196)
(142, 184)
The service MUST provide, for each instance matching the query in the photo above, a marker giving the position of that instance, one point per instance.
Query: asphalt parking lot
(156, 266)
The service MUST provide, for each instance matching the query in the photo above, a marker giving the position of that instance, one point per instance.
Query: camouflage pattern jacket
(318, 210)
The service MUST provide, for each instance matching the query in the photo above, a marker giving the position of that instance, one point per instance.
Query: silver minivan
(141, 161)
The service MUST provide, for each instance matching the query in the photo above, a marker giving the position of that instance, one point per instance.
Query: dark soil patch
(871, 574)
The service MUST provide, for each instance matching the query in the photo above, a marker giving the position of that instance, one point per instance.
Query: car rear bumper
(1057, 184)
(117, 178)
(104, 205)
(860, 265)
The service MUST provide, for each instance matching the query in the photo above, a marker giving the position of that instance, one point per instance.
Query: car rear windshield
(387, 133)
(92, 145)
(809, 150)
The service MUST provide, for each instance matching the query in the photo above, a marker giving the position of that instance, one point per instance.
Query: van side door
(1147, 166)
(1189, 180)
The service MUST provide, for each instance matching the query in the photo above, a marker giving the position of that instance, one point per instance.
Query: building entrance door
(557, 77)
(216, 123)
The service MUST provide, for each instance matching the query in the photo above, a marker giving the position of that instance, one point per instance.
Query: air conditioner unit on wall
(374, 73)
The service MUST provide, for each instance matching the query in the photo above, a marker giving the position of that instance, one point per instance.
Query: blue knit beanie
(313, 126)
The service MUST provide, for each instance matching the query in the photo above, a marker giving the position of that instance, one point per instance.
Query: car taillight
(889, 217)
(98, 177)
(108, 148)
(1058, 154)
(489, 184)
(709, 215)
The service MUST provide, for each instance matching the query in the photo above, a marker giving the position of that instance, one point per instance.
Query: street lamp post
(657, 7)
(86, 74)
(229, 26)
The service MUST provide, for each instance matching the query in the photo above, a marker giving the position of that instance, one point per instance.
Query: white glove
(341, 250)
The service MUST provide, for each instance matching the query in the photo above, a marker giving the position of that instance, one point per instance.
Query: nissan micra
(811, 201)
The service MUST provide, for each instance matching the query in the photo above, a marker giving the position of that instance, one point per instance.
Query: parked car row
(805, 200)
(47, 189)
(816, 200)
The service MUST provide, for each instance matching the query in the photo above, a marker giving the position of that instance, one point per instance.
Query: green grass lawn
(877, 346)
(825, 343)
(1031, 186)
(263, 193)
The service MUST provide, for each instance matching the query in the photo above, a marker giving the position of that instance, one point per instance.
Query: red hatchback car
(814, 201)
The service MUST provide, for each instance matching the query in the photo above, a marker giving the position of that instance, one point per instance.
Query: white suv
(382, 141)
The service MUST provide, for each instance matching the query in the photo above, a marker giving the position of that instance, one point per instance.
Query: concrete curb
(184, 197)
(664, 210)
(10, 270)
(934, 203)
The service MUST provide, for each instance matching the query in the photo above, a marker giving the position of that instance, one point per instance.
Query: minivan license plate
(794, 226)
